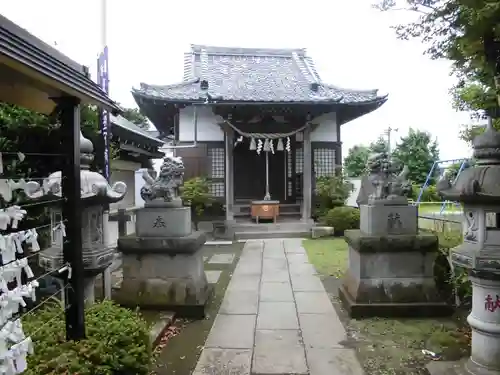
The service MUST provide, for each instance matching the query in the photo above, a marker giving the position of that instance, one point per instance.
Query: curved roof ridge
(248, 51)
(145, 86)
(356, 91)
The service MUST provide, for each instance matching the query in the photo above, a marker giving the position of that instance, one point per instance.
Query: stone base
(392, 309)
(189, 244)
(160, 221)
(380, 219)
(160, 276)
(318, 232)
(391, 275)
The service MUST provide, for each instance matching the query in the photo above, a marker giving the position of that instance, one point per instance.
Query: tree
(355, 161)
(467, 32)
(380, 145)
(357, 156)
(136, 117)
(195, 193)
(417, 151)
(452, 171)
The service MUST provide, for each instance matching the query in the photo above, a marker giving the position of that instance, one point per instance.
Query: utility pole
(388, 132)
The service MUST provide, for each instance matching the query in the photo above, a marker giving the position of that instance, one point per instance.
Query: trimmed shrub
(342, 218)
(117, 342)
(330, 192)
(196, 193)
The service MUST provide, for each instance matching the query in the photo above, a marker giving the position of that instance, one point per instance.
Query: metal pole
(267, 174)
(104, 25)
(388, 132)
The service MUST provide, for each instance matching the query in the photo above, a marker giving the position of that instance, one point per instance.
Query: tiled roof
(252, 75)
(122, 122)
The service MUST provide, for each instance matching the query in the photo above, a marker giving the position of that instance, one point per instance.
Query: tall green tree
(418, 151)
(380, 145)
(136, 117)
(357, 156)
(355, 161)
(467, 32)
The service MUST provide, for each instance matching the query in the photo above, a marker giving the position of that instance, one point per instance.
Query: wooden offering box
(265, 210)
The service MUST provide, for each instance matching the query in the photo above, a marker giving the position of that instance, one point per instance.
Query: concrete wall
(124, 171)
(326, 131)
(208, 130)
(351, 201)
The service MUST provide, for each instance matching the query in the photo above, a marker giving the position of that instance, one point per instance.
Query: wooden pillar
(307, 176)
(72, 211)
(229, 173)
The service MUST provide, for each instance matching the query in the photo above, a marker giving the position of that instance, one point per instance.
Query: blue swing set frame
(463, 162)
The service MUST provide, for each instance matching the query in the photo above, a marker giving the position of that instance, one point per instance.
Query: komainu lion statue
(382, 183)
(166, 186)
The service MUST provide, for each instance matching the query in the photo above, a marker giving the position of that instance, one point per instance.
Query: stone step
(256, 235)
(285, 208)
(271, 227)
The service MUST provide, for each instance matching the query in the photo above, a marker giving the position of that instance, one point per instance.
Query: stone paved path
(276, 318)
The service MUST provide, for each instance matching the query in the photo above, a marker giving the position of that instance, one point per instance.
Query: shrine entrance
(250, 173)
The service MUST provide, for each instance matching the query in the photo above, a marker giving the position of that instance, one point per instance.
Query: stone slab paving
(222, 259)
(276, 318)
(213, 276)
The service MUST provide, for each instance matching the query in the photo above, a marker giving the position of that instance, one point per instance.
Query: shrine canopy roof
(253, 76)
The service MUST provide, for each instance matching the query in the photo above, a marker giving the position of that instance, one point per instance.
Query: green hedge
(342, 218)
(117, 342)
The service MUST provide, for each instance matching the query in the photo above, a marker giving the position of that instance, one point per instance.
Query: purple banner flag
(104, 121)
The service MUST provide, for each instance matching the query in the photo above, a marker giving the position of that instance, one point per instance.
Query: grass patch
(328, 255)
(387, 346)
(435, 207)
(392, 346)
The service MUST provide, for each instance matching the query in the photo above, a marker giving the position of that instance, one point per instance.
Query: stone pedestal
(163, 263)
(391, 266)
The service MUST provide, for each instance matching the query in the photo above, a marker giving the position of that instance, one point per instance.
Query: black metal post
(72, 210)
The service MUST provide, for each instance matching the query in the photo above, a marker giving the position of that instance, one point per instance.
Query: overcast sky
(352, 44)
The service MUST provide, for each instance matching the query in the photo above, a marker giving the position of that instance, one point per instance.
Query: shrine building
(255, 122)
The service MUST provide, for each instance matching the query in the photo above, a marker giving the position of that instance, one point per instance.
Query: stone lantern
(478, 188)
(96, 193)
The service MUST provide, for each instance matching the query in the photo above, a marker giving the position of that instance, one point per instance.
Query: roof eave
(17, 46)
(358, 110)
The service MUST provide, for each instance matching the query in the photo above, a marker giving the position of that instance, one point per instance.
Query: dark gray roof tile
(253, 75)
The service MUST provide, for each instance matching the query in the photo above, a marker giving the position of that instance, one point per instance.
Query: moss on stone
(422, 242)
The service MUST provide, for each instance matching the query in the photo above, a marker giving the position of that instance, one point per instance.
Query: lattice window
(299, 160)
(217, 161)
(217, 189)
(324, 162)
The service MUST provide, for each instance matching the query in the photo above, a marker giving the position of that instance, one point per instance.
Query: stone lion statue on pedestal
(166, 186)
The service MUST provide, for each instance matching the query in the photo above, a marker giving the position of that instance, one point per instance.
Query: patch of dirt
(394, 346)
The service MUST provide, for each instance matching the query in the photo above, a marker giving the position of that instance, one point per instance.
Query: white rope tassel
(266, 145)
(271, 146)
(288, 145)
(259, 146)
(280, 144)
(253, 146)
